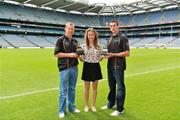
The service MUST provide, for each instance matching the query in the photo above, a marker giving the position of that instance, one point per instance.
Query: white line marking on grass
(57, 88)
(147, 54)
(30, 93)
(157, 70)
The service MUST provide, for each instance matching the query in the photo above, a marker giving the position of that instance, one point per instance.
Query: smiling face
(69, 29)
(91, 36)
(114, 27)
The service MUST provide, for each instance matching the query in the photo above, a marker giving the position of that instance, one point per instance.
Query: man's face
(69, 29)
(114, 27)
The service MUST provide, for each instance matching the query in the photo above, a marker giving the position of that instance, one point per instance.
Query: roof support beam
(101, 10)
(49, 3)
(91, 9)
(172, 2)
(66, 5)
(27, 1)
(154, 5)
(81, 8)
(139, 8)
(124, 8)
(113, 10)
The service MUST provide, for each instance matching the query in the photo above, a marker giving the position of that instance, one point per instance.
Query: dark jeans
(116, 77)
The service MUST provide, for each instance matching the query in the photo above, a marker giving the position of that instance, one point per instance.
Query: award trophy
(79, 50)
(105, 51)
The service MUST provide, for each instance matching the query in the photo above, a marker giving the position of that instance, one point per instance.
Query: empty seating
(39, 41)
(18, 41)
(4, 43)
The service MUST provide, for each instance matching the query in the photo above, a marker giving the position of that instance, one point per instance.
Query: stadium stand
(23, 26)
(17, 41)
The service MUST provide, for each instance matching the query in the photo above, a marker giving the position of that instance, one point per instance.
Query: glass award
(105, 51)
(79, 51)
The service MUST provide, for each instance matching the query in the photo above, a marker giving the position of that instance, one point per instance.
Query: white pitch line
(30, 93)
(57, 88)
(157, 70)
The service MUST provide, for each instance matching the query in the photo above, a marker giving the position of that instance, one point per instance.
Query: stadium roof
(79, 7)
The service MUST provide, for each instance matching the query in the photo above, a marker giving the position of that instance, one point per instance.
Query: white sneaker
(94, 109)
(76, 110)
(116, 113)
(61, 115)
(104, 107)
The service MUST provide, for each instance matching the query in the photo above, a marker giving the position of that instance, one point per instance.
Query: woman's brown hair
(95, 39)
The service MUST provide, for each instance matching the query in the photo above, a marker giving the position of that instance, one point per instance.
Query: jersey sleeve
(58, 47)
(125, 44)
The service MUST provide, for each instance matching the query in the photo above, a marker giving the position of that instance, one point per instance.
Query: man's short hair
(69, 23)
(115, 21)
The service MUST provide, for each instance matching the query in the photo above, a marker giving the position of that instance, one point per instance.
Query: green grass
(152, 83)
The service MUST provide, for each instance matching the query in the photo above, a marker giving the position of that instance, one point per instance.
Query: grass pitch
(29, 85)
